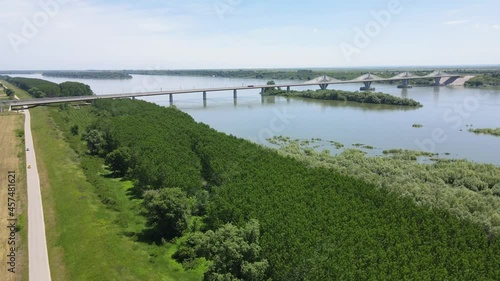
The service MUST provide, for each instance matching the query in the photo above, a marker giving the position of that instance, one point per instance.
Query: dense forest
(39, 88)
(88, 74)
(468, 190)
(339, 95)
(254, 214)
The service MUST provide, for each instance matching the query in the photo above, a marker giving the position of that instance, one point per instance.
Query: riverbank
(466, 189)
(291, 200)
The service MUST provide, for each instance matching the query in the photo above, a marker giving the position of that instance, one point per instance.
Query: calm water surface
(447, 115)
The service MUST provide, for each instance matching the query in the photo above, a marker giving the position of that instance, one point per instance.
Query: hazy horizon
(380, 67)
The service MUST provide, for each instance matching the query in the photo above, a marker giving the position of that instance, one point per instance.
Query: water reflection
(436, 94)
(270, 99)
(404, 93)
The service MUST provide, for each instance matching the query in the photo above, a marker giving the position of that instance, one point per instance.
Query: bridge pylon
(437, 81)
(367, 87)
(405, 85)
(322, 81)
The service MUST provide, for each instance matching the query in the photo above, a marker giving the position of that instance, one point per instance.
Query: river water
(446, 115)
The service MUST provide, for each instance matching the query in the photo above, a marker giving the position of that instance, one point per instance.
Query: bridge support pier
(262, 91)
(204, 95)
(171, 98)
(235, 94)
(288, 89)
(437, 81)
(367, 87)
(323, 86)
(405, 85)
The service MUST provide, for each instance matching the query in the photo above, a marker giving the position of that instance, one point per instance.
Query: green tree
(75, 89)
(96, 142)
(119, 160)
(9, 92)
(75, 130)
(36, 93)
(167, 211)
(233, 252)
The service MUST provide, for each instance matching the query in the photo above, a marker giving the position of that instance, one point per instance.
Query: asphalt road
(37, 244)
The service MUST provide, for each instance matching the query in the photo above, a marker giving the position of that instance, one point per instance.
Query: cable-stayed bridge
(323, 82)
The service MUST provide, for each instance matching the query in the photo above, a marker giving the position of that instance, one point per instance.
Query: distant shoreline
(89, 75)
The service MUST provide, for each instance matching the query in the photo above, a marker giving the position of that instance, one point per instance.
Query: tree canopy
(39, 88)
(234, 252)
(167, 211)
(339, 95)
(315, 223)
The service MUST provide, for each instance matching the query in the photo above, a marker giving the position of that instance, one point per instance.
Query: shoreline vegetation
(224, 207)
(485, 80)
(39, 88)
(339, 95)
(468, 190)
(110, 75)
(487, 131)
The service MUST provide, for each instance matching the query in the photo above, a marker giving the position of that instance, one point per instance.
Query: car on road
(29, 166)
(250, 86)
(27, 149)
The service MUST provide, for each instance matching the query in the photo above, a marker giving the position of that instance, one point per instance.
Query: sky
(214, 34)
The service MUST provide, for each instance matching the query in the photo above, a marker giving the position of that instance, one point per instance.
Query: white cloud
(455, 22)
